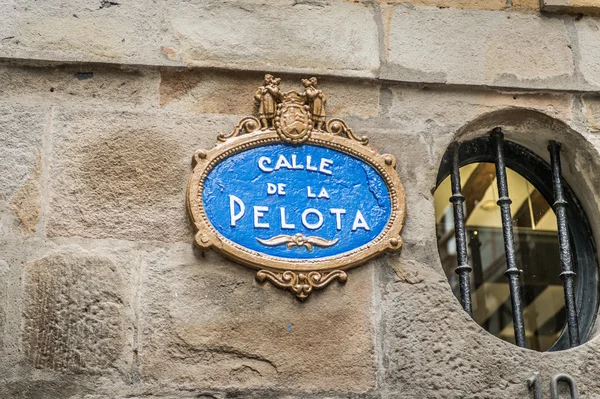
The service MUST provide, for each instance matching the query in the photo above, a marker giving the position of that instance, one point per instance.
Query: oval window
(536, 245)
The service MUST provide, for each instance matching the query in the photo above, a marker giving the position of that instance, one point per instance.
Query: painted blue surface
(352, 185)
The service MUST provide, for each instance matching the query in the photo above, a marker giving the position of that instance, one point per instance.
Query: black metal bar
(512, 272)
(475, 246)
(463, 269)
(567, 275)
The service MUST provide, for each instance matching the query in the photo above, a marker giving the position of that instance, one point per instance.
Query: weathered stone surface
(74, 317)
(14, 248)
(571, 6)
(208, 92)
(434, 350)
(336, 36)
(444, 41)
(592, 111)
(477, 47)
(254, 35)
(21, 138)
(69, 323)
(526, 4)
(125, 32)
(26, 202)
(207, 323)
(448, 110)
(124, 174)
(359, 99)
(21, 134)
(31, 388)
(86, 84)
(4, 268)
(227, 93)
(588, 35)
(468, 4)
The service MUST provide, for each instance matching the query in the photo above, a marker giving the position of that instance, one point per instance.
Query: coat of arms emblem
(294, 195)
(293, 123)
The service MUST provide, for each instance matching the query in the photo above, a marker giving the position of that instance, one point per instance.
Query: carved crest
(293, 122)
(298, 197)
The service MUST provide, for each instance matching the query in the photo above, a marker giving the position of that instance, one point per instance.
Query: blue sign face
(296, 202)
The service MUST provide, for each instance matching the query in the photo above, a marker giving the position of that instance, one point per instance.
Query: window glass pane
(537, 254)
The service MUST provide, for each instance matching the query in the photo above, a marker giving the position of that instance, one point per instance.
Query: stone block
(206, 323)
(21, 135)
(4, 271)
(209, 92)
(84, 85)
(590, 7)
(228, 93)
(592, 112)
(526, 4)
(466, 4)
(588, 35)
(287, 36)
(478, 47)
(443, 111)
(350, 99)
(126, 32)
(293, 36)
(124, 174)
(75, 313)
(427, 109)
(14, 249)
(29, 387)
(26, 202)
(21, 139)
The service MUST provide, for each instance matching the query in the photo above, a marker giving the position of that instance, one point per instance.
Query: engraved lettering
(284, 224)
(307, 224)
(259, 212)
(360, 222)
(261, 164)
(234, 217)
(294, 164)
(338, 212)
(323, 193)
(325, 163)
(281, 189)
(282, 162)
(308, 165)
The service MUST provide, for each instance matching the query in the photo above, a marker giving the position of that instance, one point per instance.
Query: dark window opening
(543, 295)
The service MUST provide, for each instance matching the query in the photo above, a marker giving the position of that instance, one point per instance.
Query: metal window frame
(540, 174)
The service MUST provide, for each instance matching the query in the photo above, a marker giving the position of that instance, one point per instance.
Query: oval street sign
(301, 201)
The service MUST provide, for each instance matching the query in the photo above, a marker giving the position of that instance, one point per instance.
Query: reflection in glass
(536, 242)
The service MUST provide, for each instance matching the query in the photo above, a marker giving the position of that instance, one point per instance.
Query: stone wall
(102, 294)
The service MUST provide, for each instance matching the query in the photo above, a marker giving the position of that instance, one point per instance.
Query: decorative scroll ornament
(301, 284)
(297, 196)
(297, 241)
